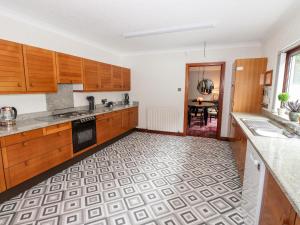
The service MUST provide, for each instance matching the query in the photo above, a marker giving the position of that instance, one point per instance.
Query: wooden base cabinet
(276, 208)
(239, 146)
(103, 128)
(30, 153)
(111, 125)
(2, 177)
(297, 220)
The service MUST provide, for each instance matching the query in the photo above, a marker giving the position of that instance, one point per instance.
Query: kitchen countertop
(35, 123)
(281, 156)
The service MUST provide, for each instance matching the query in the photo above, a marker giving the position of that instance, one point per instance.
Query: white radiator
(163, 119)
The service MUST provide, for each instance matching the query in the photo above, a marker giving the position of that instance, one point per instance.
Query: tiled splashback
(62, 99)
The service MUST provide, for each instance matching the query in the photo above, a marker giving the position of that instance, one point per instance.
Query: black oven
(84, 133)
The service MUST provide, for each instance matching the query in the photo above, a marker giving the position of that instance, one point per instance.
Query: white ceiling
(105, 21)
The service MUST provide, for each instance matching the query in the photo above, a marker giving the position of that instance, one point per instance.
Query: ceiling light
(168, 30)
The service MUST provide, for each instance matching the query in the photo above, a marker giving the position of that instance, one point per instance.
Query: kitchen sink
(266, 128)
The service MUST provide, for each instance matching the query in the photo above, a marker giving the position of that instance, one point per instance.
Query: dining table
(202, 105)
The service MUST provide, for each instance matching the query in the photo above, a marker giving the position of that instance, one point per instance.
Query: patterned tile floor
(141, 179)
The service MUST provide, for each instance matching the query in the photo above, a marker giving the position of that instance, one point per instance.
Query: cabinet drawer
(57, 128)
(24, 136)
(105, 115)
(30, 168)
(27, 150)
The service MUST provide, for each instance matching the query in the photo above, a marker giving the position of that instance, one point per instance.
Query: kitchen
(94, 120)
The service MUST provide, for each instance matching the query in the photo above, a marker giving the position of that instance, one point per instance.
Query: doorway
(203, 103)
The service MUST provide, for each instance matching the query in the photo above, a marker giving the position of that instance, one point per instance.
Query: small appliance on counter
(126, 99)
(8, 116)
(91, 100)
(109, 104)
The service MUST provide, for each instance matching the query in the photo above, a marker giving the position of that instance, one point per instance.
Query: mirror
(205, 86)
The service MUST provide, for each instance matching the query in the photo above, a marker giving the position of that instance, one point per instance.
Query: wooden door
(117, 81)
(12, 77)
(69, 69)
(40, 69)
(90, 75)
(104, 129)
(116, 124)
(105, 76)
(276, 208)
(126, 79)
(2, 178)
(247, 88)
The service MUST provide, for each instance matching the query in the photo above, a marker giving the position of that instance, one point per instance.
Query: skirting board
(174, 133)
(159, 132)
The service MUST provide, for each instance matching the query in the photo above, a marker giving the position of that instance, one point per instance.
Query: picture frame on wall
(268, 78)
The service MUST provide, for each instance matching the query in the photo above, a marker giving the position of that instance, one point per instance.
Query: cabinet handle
(19, 85)
(60, 149)
(25, 143)
(30, 84)
(26, 163)
(23, 134)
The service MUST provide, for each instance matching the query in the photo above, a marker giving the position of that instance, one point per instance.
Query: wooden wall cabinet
(69, 69)
(126, 75)
(105, 76)
(117, 78)
(247, 89)
(40, 69)
(276, 208)
(2, 178)
(12, 78)
(239, 146)
(91, 81)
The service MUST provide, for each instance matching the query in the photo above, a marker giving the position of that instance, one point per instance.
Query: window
(292, 74)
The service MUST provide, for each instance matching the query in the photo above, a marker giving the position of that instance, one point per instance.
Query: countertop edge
(251, 137)
(43, 124)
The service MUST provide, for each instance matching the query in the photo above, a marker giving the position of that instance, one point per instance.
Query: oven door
(84, 134)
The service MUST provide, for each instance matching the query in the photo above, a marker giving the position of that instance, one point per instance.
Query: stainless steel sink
(266, 128)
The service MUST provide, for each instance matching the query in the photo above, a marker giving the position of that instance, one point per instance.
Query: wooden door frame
(221, 93)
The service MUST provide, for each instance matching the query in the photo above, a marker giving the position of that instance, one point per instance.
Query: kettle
(8, 116)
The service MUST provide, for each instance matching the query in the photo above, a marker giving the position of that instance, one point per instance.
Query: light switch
(179, 89)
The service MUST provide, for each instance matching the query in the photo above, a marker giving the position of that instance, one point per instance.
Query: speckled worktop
(281, 157)
(35, 123)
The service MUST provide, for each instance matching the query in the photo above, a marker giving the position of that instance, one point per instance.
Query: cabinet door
(12, 77)
(90, 75)
(238, 146)
(276, 208)
(69, 69)
(40, 69)
(297, 221)
(117, 81)
(126, 79)
(105, 75)
(116, 124)
(125, 120)
(2, 178)
(133, 118)
(104, 130)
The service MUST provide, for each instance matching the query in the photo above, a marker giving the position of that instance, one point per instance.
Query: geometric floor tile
(142, 179)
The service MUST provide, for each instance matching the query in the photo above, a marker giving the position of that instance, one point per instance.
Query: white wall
(193, 83)
(22, 32)
(283, 37)
(156, 77)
